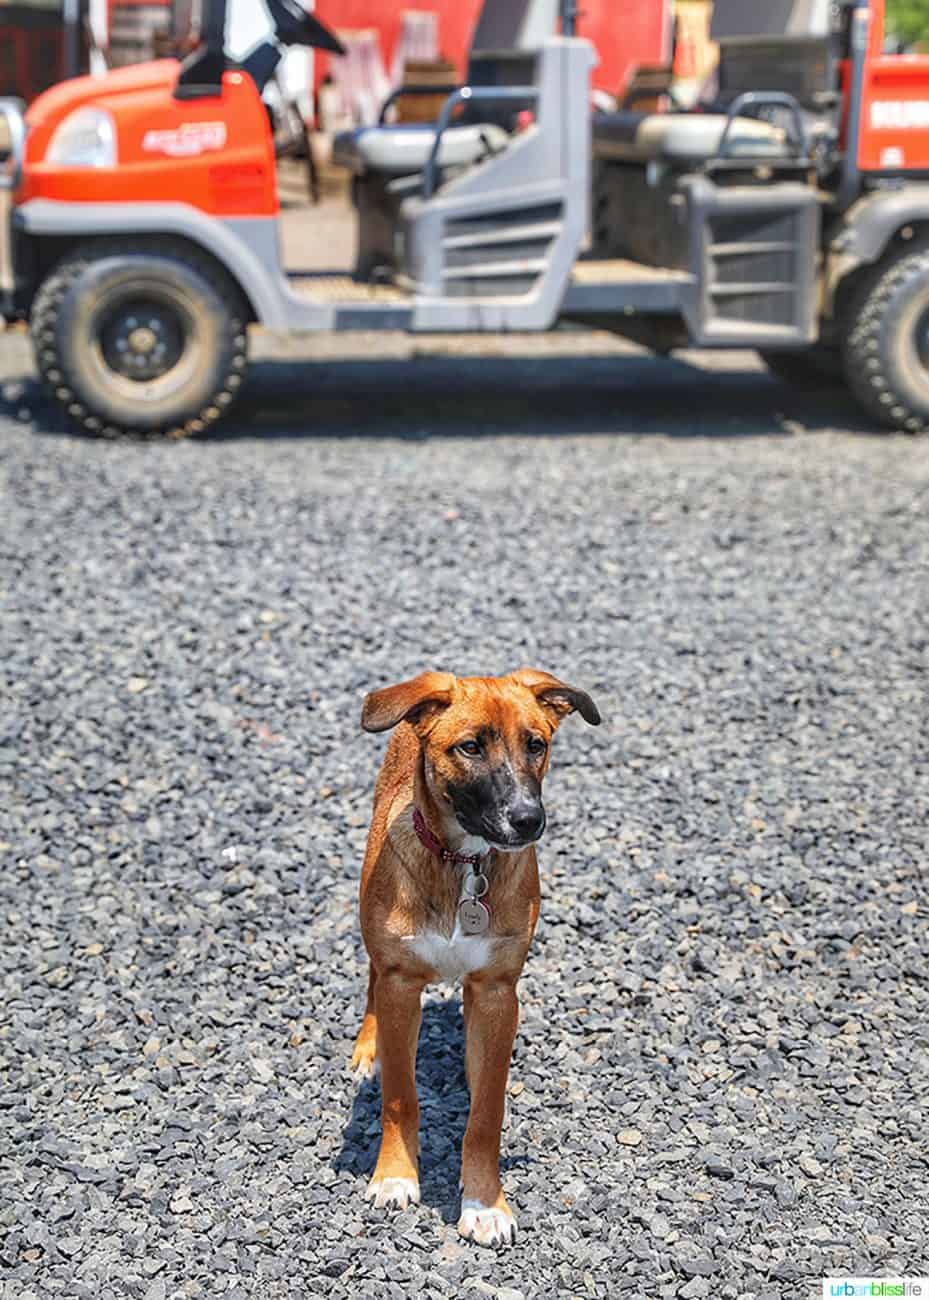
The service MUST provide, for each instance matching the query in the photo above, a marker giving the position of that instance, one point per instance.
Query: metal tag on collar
(473, 915)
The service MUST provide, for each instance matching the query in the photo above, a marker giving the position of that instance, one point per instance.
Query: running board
(335, 301)
(472, 298)
(620, 287)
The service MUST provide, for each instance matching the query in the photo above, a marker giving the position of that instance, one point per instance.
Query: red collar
(441, 851)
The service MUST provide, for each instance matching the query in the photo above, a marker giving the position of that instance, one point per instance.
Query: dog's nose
(527, 818)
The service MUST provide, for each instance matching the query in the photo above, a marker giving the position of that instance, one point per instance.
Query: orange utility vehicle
(789, 212)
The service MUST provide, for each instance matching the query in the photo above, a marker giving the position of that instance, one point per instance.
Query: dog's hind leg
(364, 1057)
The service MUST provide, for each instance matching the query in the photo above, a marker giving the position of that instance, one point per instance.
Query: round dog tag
(474, 916)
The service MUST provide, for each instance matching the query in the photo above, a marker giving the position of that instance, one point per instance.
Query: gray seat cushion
(404, 150)
(683, 137)
(613, 130)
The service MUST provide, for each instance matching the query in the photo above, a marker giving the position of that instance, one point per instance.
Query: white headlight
(86, 138)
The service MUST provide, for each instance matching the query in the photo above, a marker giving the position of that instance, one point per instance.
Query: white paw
(366, 1069)
(485, 1224)
(393, 1192)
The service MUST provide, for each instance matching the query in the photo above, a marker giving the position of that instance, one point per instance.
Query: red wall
(624, 32)
(456, 19)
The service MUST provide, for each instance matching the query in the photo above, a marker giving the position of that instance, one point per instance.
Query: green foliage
(909, 19)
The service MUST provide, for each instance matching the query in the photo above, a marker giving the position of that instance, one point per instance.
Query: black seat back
(776, 45)
(507, 68)
(803, 67)
(514, 24)
(758, 19)
(504, 52)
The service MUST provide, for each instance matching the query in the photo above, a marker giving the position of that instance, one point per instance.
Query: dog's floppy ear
(560, 698)
(408, 701)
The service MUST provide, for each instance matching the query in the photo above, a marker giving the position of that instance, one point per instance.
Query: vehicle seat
(404, 149)
(387, 163)
(683, 138)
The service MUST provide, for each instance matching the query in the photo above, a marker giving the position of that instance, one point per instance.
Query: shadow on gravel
(443, 1104)
(461, 396)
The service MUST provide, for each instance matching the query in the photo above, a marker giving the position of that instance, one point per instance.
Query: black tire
(143, 337)
(887, 341)
(808, 368)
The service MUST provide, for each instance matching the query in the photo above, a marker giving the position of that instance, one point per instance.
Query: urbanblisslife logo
(875, 1288)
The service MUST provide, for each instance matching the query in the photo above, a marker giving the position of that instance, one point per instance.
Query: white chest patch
(453, 957)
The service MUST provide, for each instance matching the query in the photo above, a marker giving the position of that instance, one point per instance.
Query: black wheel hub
(142, 340)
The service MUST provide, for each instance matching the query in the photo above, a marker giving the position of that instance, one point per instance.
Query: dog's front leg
(492, 1013)
(398, 1011)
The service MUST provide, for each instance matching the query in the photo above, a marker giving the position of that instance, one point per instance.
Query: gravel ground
(720, 1085)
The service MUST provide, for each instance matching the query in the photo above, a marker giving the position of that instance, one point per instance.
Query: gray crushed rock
(719, 1084)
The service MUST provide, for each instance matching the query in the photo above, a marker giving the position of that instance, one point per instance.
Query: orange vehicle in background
(789, 212)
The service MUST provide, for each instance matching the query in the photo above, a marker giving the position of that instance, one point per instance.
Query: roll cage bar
(202, 71)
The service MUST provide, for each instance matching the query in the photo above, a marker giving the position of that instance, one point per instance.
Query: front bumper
(12, 147)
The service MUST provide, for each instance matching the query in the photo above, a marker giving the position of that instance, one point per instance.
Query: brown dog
(449, 890)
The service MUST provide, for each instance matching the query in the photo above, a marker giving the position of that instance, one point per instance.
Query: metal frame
(11, 110)
(761, 99)
(794, 201)
(569, 14)
(850, 187)
(465, 95)
(201, 73)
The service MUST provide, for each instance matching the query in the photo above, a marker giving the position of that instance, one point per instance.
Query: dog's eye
(469, 747)
(537, 745)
